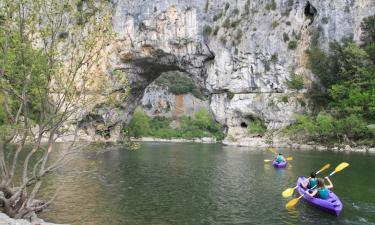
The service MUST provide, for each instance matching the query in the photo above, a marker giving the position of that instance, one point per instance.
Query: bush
(139, 124)
(226, 23)
(285, 37)
(274, 24)
(207, 30)
(368, 30)
(218, 16)
(292, 44)
(201, 126)
(257, 127)
(325, 128)
(271, 6)
(285, 99)
(176, 82)
(238, 36)
(296, 82)
(216, 30)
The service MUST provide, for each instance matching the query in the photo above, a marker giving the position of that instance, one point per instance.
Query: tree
(368, 29)
(140, 124)
(49, 50)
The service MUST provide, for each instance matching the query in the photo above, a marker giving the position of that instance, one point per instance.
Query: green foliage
(207, 30)
(325, 128)
(296, 82)
(218, 16)
(274, 24)
(370, 49)
(226, 23)
(346, 90)
(216, 30)
(285, 37)
(230, 95)
(368, 30)
(235, 23)
(201, 126)
(292, 44)
(139, 125)
(176, 82)
(285, 99)
(257, 127)
(238, 36)
(22, 60)
(271, 6)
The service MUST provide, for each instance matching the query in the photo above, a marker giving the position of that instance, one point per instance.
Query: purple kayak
(332, 205)
(279, 164)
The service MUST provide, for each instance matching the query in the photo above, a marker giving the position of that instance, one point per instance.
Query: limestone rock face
(240, 51)
(158, 101)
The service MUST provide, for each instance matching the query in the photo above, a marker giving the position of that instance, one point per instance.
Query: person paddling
(312, 182)
(323, 190)
(280, 158)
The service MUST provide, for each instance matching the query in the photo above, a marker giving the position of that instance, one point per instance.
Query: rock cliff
(240, 52)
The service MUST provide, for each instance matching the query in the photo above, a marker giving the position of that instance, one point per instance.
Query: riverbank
(252, 142)
(5, 220)
(258, 142)
(206, 140)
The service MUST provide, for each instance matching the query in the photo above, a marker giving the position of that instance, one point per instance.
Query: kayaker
(280, 158)
(323, 190)
(311, 182)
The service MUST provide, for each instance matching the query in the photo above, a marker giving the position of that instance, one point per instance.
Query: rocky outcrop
(158, 101)
(241, 51)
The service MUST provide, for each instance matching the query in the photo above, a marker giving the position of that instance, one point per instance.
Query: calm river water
(193, 184)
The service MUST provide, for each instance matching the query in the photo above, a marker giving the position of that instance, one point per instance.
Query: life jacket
(323, 193)
(313, 183)
(279, 158)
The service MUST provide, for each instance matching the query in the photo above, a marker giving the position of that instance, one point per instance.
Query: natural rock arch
(144, 50)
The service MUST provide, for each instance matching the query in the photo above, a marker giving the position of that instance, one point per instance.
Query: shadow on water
(185, 183)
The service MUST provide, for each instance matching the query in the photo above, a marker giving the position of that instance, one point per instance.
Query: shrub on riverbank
(202, 125)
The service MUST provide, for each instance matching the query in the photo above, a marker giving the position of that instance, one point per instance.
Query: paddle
(294, 201)
(289, 191)
(272, 150)
(269, 160)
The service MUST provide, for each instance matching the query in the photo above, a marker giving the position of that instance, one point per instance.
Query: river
(187, 183)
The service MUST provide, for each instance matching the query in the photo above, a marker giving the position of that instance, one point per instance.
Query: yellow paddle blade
(326, 166)
(293, 202)
(289, 158)
(267, 160)
(341, 166)
(288, 192)
(272, 150)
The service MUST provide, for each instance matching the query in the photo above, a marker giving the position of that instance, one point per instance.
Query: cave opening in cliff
(310, 12)
(244, 125)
